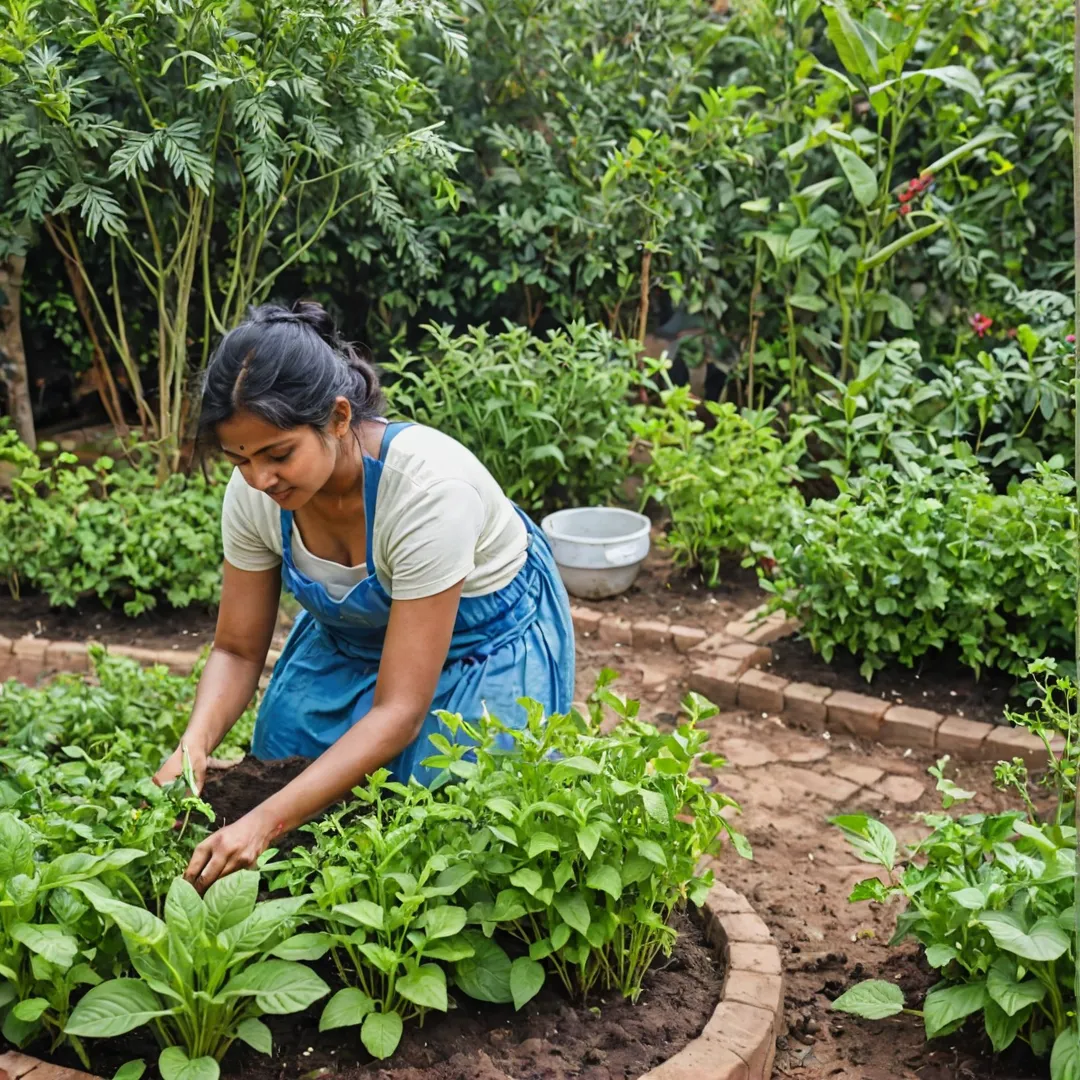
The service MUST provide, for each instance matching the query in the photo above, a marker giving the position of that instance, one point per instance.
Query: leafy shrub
(724, 485)
(989, 897)
(895, 567)
(111, 531)
(549, 417)
(208, 971)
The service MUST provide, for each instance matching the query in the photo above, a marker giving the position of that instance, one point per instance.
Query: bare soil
(939, 682)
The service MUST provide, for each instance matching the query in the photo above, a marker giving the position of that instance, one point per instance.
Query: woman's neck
(346, 482)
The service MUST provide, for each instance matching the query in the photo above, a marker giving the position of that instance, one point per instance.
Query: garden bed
(940, 683)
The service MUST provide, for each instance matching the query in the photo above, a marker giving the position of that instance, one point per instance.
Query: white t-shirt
(440, 517)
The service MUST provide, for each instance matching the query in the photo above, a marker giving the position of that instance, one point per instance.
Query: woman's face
(290, 465)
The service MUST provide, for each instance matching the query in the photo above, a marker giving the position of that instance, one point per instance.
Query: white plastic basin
(598, 549)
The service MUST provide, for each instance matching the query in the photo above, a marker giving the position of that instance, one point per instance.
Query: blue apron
(516, 642)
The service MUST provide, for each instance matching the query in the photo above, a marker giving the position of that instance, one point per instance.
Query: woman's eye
(284, 457)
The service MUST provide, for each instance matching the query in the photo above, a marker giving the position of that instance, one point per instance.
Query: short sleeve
(430, 542)
(245, 530)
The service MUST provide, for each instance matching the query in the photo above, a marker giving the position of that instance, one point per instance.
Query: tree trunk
(12, 353)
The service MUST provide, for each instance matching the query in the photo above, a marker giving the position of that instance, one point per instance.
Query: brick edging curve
(726, 669)
(738, 1041)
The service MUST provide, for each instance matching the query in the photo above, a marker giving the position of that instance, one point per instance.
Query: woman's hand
(174, 765)
(235, 847)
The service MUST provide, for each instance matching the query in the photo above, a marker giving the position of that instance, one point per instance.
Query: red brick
(761, 991)
(832, 788)
(805, 704)
(586, 621)
(858, 713)
(762, 959)
(7, 659)
(761, 691)
(747, 1031)
(908, 727)
(747, 927)
(1005, 743)
(45, 1071)
(684, 638)
(863, 775)
(774, 628)
(724, 901)
(962, 737)
(29, 656)
(746, 623)
(748, 656)
(615, 630)
(718, 680)
(902, 789)
(703, 1058)
(67, 656)
(651, 634)
(16, 1064)
(712, 644)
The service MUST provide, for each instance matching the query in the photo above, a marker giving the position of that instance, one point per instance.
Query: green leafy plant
(549, 417)
(724, 485)
(207, 972)
(895, 567)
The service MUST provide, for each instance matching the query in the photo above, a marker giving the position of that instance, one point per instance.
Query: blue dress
(516, 642)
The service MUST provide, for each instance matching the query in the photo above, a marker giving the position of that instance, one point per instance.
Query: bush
(989, 897)
(549, 417)
(723, 487)
(895, 567)
(111, 531)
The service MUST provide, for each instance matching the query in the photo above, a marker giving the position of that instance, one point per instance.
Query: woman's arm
(417, 641)
(245, 627)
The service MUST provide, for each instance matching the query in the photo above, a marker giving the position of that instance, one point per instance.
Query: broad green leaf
(526, 979)
(540, 842)
(278, 986)
(174, 1064)
(443, 922)
(346, 1008)
(16, 848)
(114, 1008)
(1045, 941)
(30, 1009)
(651, 850)
(856, 54)
(938, 956)
(872, 1000)
(605, 878)
(528, 879)
(130, 1070)
(448, 949)
(1001, 1027)
(230, 900)
(363, 912)
(269, 919)
(426, 987)
(945, 1007)
(257, 1035)
(485, 975)
(1012, 996)
(381, 1034)
(655, 807)
(185, 912)
(384, 959)
(47, 940)
(574, 910)
(860, 176)
(588, 838)
(303, 947)
(1065, 1057)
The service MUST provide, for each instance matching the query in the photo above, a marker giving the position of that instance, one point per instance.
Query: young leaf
(185, 912)
(1001, 1027)
(130, 1070)
(174, 1064)
(872, 1000)
(363, 912)
(526, 979)
(30, 1009)
(860, 176)
(231, 899)
(486, 974)
(381, 1034)
(605, 878)
(346, 1008)
(1012, 996)
(1045, 941)
(443, 922)
(528, 879)
(257, 1035)
(945, 1007)
(303, 947)
(114, 1008)
(574, 910)
(426, 987)
(278, 986)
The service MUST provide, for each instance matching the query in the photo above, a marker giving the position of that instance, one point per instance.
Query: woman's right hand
(174, 766)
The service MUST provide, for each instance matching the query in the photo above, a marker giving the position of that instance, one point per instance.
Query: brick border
(738, 1041)
(726, 670)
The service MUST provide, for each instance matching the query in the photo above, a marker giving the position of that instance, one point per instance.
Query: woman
(424, 588)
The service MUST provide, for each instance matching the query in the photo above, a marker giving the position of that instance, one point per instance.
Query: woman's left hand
(235, 847)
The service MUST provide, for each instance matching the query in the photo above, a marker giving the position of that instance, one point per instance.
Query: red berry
(905, 210)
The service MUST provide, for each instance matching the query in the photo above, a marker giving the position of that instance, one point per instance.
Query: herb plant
(207, 972)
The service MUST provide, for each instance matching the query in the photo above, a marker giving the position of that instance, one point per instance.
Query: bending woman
(423, 587)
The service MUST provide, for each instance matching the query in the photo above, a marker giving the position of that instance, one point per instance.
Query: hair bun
(313, 314)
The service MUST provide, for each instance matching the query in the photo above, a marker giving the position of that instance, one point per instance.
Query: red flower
(905, 210)
(906, 196)
(980, 323)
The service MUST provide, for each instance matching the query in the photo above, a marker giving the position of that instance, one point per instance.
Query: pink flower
(980, 323)
(1071, 339)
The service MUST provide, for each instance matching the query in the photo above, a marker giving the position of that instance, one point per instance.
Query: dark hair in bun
(288, 366)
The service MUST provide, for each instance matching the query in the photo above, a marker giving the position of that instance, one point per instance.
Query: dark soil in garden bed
(940, 682)
(551, 1038)
(90, 620)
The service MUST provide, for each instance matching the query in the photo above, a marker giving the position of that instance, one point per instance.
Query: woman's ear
(341, 418)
